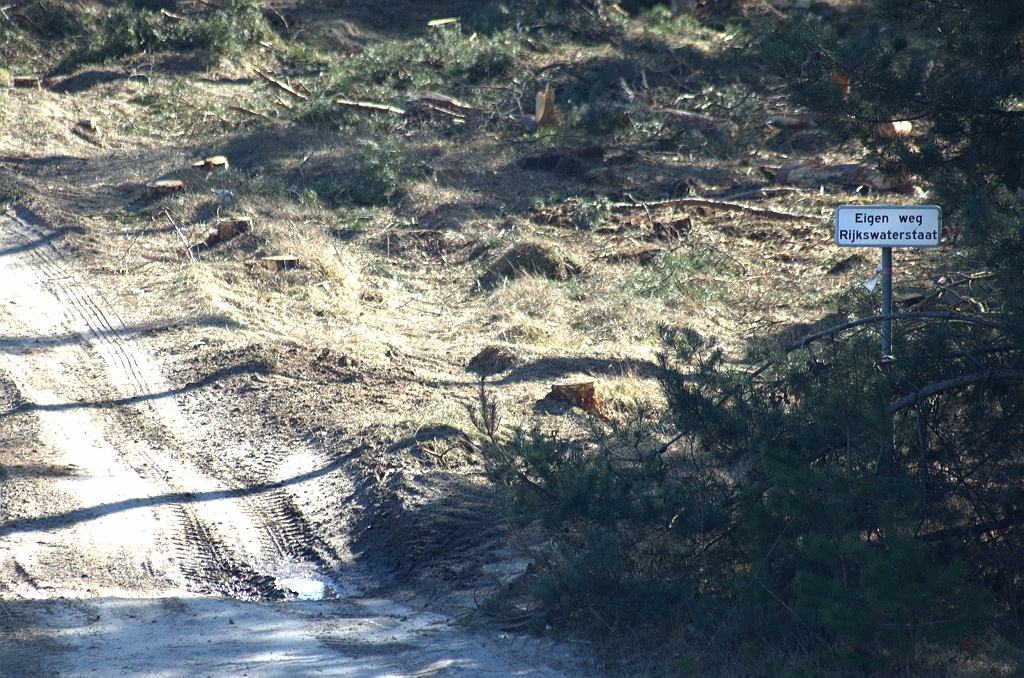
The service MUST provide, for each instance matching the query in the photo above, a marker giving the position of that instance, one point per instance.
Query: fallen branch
(369, 106)
(690, 120)
(278, 15)
(283, 86)
(760, 193)
(181, 235)
(443, 104)
(717, 204)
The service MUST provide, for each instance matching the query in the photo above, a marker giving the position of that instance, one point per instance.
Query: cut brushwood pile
(813, 175)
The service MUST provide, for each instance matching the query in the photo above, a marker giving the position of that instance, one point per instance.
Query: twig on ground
(191, 254)
(251, 112)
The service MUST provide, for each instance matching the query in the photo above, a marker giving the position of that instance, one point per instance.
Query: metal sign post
(888, 226)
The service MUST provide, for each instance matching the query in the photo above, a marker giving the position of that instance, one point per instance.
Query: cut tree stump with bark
(28, 81)
(230, 227)
(212, 163)
(582, 395)
(164, 187)
(279, 263)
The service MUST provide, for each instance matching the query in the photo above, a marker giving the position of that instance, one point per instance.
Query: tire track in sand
(222, 542)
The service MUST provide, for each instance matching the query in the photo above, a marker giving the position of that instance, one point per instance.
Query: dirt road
(139, 537)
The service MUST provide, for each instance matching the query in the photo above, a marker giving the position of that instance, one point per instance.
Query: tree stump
(279, 263)
(159, 189)
(212, 163)
(232, 226)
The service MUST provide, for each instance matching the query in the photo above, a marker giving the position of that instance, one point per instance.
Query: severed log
(28, 81)
(283, 86)
(225, 229)
(790, 120)
(582, 395)
(369, 106)
(758, 193)
(812, 175)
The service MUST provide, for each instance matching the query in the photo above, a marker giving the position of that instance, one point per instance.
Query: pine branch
(957, 382)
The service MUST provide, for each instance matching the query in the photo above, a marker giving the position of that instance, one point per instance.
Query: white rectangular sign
(888, 226)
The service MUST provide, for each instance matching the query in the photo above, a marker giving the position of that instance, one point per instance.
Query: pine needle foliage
(227, 28)
(955, 70)
(867, 509)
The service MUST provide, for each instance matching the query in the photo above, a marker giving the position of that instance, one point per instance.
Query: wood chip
(88, 130)
(545, 112)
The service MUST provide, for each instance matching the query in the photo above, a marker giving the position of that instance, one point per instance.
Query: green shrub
(381, 172)
(231, 27)
(837, 503)
(590, 214)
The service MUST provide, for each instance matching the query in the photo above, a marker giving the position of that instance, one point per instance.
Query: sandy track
(152, 551)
